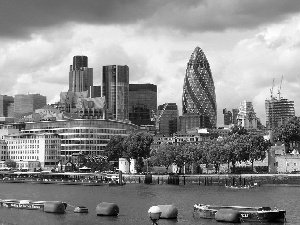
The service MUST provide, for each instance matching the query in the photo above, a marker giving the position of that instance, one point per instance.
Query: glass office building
(198, 90)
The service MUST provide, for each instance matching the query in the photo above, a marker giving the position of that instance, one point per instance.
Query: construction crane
(279, 89)
(156, 117)
(271, 90)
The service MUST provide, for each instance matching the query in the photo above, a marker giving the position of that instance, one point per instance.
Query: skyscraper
(142, 102)
(80, 76)
(278, 111)
(198, 90)
(28, 103)
(115, 89)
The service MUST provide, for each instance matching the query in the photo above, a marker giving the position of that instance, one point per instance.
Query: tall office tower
(227, 117)
(198, 90)
(25, 104)
(80, 61)
(80, 76)
(235, 113)
(5, 103)
(115, 89)
(168, 119)
(246, 116)
(142, 102)
(278, 111)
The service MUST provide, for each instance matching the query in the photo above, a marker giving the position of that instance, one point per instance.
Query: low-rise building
(33, 150)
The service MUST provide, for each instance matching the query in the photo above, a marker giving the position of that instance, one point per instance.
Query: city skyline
(247, 44)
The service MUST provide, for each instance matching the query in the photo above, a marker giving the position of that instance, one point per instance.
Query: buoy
(54, 207)
(107, 209)
(154, 213)
(227, 215)
(168, 211)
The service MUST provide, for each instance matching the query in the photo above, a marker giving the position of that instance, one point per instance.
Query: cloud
(248, 70)
(19, 19)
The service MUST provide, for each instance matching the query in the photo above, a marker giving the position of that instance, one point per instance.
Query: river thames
(134, 200)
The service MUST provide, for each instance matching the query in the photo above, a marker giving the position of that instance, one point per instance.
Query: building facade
(86, 136)
(278, 111)
(25, 149)
(26, 104)
(79, 61)
(227, 117)
(142, 102)
(246, 116)
(198, 90)
(192, 120)
(115, 89)
(6, 106)
(169, 119)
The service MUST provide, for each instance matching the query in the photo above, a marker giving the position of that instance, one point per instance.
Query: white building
(33, 150)
(246, 116)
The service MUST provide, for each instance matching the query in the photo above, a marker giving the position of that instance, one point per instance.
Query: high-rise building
(235, 113)
(198, 90)
(80, 79)
(227, 117)
(5, 103)
(278, 111)
(25, 104)
(115, 89)
(80, 76)
(246, 116)
(168, 119)
(142, 103)
(80, 61)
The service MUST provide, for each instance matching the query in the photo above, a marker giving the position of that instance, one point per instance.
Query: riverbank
(203, 179)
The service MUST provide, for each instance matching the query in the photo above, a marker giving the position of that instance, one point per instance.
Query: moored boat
(243, 213)
(263, 215)
(81, 209)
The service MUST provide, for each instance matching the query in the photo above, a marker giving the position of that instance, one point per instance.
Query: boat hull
(263, 216)
(245, 214)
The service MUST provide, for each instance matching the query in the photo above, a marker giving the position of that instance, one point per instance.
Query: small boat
(239, 213)
(81, 209)
(263, 215)
(242, 186)
(209, 211)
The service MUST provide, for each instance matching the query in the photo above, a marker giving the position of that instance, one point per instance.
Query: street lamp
(154, 214)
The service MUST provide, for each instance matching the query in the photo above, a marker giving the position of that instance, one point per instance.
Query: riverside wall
(216, 179)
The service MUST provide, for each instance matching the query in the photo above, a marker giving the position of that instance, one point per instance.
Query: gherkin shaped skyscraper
(198, 90)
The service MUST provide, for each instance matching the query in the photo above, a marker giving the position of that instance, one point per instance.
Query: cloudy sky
(247, 42)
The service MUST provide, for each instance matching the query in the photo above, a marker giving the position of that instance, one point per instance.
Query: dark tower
(80, 61)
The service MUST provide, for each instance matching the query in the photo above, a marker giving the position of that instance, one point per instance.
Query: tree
(137, 146)
(257, 146)
(114, 149)
(163, 155)
(288, 133)
(238, 130)
(10, 163)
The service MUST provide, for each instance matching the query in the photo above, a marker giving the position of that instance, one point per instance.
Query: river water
(134, 200)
